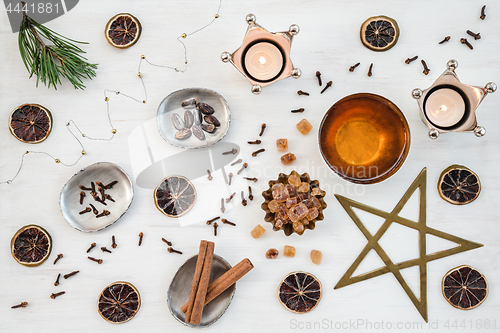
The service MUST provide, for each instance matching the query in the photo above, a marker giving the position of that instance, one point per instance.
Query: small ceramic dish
(180, 288)
(171, 105)
(122, 193)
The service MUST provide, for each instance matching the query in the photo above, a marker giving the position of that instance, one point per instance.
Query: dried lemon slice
(464, 287)
(123, 30)
(30, 123)
(175, 196)
(300, 292)
(459, 185)
(31, 245)
(119, 302)
(379, 33)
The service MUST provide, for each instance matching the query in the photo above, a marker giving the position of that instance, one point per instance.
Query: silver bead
(452, 64)
(9, 181)
(251, 18)
(256, 89)
(433, 134)
(416, 93)
(491, 87)
(296, 73)
(225, 56)
(294, 29)
(479, 131)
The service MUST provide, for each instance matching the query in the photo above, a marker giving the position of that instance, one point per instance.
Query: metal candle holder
(283, 40)
(472, 95)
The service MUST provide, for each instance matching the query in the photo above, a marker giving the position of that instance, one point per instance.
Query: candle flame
(262, 60)
(443, 108)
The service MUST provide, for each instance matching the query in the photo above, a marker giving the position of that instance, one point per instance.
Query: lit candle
(445, 107)
(263, 61)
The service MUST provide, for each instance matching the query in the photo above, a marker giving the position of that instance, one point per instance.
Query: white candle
(445, 107)
(263, 61)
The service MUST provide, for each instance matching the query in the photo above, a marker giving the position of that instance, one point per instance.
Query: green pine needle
(51, 62)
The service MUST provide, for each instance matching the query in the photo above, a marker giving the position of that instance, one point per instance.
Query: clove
(256, 142)
(215, 228)
(228, 222)
(141, 234)
(255, 180)
(263, 127)
(230, 176)
(70, 274)
(328, 85)
(93, 186)
(104, 213)
(22, 305)
(257, 152)
(57, 280)
(447, 38)
(104, 249)
(108, 197)
(426, 69)
(166, 241)
(82, 195)
(209, 175)
(230, 197)
(300, 92)
(318, 75)
(370, 70)
(298, 110)
(86, 210)
(466, 42)
(483, 15)
(99, 261)
(171, 250)
(407, 61)
(250, 195)
(212, 220)
(243, 200)
(94, 210)
(232, 151)
(222, 208)
(84, 188)
(53, 296)
(245, 165)
(476, 36)
(91, 247)
(110, 185)
(238, 161)
(113, 245)
(353, 67)
(59, 256)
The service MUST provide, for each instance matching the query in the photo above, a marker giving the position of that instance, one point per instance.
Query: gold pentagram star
(394, 268)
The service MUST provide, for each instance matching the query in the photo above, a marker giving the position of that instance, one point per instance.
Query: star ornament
(395, 268)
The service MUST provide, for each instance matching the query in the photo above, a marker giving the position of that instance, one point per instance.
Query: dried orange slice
(175, 196)
(119, 302)
(123, 30)
(458, 185)
(30, 123)
(464, 287)
(299, 292)
(31, 245)
(379, 33)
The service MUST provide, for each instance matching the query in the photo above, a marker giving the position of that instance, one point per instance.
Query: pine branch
(51, 62)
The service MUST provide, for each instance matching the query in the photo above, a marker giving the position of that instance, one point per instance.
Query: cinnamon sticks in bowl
(201, 292)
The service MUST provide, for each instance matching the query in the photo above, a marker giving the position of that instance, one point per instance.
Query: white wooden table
(329, 42)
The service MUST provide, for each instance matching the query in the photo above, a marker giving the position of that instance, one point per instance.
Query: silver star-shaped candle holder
(472, 96)
(256, 34)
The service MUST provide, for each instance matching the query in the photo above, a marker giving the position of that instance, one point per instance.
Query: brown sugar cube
(304, 126)
(289, 251)
(288, 158)
(282, 144)
(272, 254)
(316, 256)
(257, 231)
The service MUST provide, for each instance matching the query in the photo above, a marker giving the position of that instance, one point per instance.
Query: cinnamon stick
(225, 281)
(201, 293)
(196, 279)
